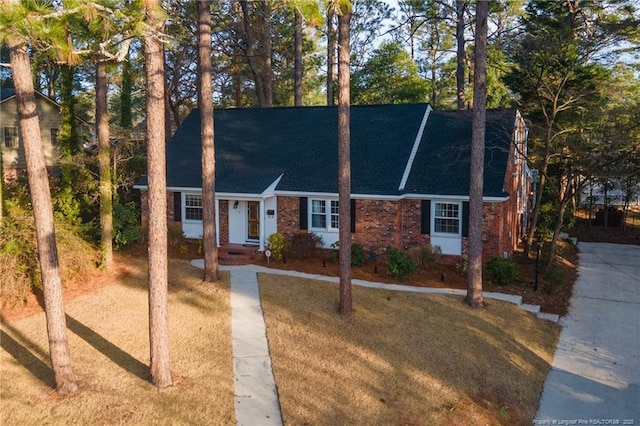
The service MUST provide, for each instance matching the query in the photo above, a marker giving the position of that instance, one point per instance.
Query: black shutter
(304, 209)
(465, 219)
(177, 206)
(425, 219)
(353, 215)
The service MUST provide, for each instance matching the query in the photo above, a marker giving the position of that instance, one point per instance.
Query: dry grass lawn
(108, 337)
(404, 358)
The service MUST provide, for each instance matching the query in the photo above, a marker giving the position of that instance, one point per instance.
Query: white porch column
(217, 211)
(262, 237)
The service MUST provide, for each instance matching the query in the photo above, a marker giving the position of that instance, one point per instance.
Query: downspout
(217, 211)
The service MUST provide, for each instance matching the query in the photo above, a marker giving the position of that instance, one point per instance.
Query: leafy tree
(552, 75)
(389, 77)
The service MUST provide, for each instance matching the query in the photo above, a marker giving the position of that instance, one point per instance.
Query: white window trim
(184, 207)
(327, 213)
(433, 219)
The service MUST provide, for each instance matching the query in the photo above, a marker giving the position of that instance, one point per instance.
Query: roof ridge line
(414, 150)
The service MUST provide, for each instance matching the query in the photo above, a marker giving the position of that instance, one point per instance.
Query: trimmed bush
(175, 235)
(399, 263)
(276, 244)
(358, 254)
(304, 244)
(426, 255)
(501, 271)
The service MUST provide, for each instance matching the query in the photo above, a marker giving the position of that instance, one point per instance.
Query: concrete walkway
(595, 376)
(255, 388)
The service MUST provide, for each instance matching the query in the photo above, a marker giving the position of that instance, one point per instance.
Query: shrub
(399, 264)
(501, 271)
(357, 254)
(426, 255)
(175, 236)
(276, 244)
(19, 266)
(304, 245)
(125, 224)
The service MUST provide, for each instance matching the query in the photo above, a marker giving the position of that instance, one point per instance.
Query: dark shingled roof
(442, 163)
(254, 146)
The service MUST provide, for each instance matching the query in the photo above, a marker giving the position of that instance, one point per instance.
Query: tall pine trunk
(267, 53)
(104, 165)
(43, 217)
(249, 50)
(344, 162)
(461, 6)
(297, 61)
(158, 272)
(476, 184)
(205, 100)
(331, 56)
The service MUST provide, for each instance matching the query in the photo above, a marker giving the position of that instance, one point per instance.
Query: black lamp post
(539, 242)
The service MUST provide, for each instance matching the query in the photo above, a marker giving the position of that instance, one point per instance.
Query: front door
(253, 216)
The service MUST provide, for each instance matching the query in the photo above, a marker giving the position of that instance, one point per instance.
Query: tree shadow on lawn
(394, 347)
(108, 349)
(18, 346)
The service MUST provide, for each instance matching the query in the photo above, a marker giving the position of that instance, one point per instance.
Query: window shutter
(465, 219)
(425, 219)
(304, 209)
(177, 206)
(353, 215)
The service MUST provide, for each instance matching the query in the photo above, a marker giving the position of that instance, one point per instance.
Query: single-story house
(276, 171)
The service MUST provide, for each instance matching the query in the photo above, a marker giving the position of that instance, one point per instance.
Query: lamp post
(539, 242)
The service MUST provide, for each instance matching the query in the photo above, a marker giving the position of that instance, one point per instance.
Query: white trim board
(414, 150)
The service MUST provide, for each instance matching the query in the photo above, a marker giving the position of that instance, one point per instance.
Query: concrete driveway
(595, 376)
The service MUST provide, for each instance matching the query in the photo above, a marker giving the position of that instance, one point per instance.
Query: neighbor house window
(54, 137)
(324, 214)
(193, 206)
(11, 137)
(446, 218)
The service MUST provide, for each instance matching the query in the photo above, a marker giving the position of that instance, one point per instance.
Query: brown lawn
(403, 358)
(108, 337)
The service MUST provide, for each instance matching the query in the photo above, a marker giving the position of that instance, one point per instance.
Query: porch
(237, 254)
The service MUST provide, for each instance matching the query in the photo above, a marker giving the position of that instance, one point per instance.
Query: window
(318, 214)
(446, 218)
(11, 137)
(335, 222)
(322, 217)
(192, 207)
(54, 137)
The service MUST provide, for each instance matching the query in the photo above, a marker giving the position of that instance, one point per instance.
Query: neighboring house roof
(6, 93)
(255, 146)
